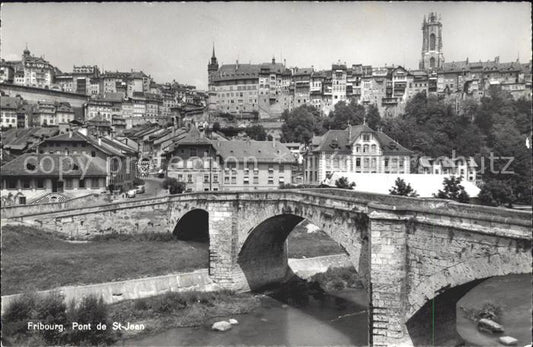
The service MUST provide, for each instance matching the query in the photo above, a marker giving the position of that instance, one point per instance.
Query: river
(284, 318)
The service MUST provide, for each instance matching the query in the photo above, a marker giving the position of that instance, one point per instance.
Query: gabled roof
(76, 136)
(33, 164)
(260, 151)
(20, 139)
(341, 141)
(9, 103)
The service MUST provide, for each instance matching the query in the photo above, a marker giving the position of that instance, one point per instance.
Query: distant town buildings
(268, 89)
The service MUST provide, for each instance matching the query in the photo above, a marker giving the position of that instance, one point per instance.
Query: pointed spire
(213, 50)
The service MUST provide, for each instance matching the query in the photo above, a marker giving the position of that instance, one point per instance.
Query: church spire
(213, 51)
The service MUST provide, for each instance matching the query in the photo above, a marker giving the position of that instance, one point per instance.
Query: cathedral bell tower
(432, 57)
(212, 66)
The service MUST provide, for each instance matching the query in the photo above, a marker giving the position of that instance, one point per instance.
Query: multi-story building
(204, 164)
(29, 71)
(249, 88)
(9, 107)
(357, 149)
(64, 113)
(46, 114)
(463, 167)
(98, 109)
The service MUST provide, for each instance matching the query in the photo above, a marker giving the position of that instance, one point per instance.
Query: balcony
(389, 101)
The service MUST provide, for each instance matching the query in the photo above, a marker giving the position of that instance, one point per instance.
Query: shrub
(344, 184)
(173, 185)
(91, 310)
(402, 188)
(17, 314)
(138, 181)
(52, 310)
(453, 190)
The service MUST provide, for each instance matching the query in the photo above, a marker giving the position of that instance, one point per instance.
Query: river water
(308, 319)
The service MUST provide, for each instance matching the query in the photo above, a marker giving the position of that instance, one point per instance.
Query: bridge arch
(472, 269)
(261, 253)
(193, 226)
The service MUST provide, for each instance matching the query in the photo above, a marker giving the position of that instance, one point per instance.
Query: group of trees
(302, 123)
(492, 131)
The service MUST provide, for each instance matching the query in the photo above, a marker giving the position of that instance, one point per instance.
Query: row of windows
(39, 183)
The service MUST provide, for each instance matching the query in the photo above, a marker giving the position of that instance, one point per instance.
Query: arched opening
(434, 323)
(451, 317)
(193, 226)
(432, 62)
(263, 257)
(432, 40)
(310, 271)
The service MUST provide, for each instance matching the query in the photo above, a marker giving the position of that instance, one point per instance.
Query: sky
(173, 41)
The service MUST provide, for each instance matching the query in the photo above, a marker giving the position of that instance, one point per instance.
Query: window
(365, 149)
(226, 179)
(193, 152)
(189, 178)
(357, 162)
(246, 180)
(68, 183)
(215, 178)
(357, 148)
(271, 180)
(281, 168)
(95, 183)
(256, 180)
(82, 183)
(366, 137)
(180, 177)
(206, 178)
(281, 180)
(270, 169)
(233, 179)
(93, 154)
(373, 149)
(26, 183)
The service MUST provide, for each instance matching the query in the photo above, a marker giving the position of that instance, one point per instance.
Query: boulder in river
(490, 326)
(221, 326)
(508, 340)
(233, 321)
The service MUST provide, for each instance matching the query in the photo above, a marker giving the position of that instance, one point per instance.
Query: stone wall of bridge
(418, 254)
(409, 250)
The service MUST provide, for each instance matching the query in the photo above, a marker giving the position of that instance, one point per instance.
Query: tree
(373, 119)
(256, 132)
(345, 114)
(301, 124)
(453, 190)
(402, 188)
(173, 185)
(344, 184)
(216, 126)
(496, 193)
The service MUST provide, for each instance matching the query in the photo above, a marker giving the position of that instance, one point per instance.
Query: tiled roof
(9, 103)
(77, 136)
(20, 139)
(339, 141)
(261, 151)
(33, 164)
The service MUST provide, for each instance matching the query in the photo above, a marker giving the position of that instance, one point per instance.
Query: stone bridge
(408, 250)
